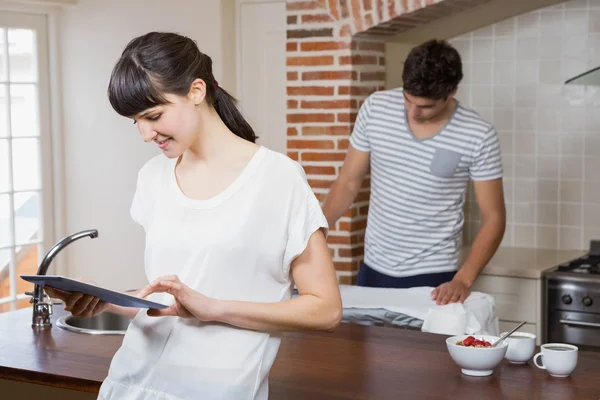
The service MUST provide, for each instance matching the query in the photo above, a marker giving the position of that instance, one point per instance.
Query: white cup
(558, 359)
(521, 347)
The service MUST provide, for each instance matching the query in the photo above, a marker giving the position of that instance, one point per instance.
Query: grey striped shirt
(418, 186)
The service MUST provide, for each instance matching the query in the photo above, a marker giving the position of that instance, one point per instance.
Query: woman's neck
(215, 144)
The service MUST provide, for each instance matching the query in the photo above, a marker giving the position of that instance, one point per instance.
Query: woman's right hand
(79, 304)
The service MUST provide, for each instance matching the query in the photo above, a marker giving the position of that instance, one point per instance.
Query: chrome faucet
(42, 304)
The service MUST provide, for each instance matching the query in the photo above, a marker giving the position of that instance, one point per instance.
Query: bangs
(131, 90)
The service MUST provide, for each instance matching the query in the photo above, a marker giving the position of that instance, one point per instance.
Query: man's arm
(344, 190)
(490, 198)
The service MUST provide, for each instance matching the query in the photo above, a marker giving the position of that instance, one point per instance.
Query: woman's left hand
(187, 301)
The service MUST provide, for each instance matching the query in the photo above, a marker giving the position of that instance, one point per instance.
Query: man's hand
(455, 291)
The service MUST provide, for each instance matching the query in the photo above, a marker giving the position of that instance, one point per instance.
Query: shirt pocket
(444, 163)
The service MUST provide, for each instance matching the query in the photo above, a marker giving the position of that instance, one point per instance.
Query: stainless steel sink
(104, 324)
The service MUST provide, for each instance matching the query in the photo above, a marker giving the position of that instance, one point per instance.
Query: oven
(572, 304)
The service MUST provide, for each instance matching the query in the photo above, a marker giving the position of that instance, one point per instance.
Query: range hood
(591, 77)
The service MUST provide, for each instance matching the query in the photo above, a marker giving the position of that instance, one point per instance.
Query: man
(422, 148)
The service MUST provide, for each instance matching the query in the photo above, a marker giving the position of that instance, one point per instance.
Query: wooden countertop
(524, 262)
(355, 362)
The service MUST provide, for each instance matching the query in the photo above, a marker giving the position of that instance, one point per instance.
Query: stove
(572, 301)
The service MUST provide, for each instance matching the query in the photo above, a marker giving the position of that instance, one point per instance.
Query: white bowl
(476, 361)
(521, 347)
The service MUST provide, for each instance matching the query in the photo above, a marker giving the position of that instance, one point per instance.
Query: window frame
(52, 218)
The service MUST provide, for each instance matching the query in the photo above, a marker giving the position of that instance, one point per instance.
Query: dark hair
(160, 63)
(432, 70)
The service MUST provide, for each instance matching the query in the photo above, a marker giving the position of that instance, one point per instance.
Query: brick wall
(335, 59)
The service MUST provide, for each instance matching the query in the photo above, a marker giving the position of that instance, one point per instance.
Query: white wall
(104, 151)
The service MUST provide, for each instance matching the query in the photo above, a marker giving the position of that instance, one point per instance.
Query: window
(25, 153)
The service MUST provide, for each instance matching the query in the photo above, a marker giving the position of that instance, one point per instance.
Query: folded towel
(477, 315)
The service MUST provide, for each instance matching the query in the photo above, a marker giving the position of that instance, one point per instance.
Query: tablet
(107, 295)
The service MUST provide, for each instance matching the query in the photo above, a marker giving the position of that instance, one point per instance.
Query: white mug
(521, 347)
(559, 359)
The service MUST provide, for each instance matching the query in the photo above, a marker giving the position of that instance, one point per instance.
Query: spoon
(508, 334)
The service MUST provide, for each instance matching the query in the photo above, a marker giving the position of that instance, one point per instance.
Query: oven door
(582, 329)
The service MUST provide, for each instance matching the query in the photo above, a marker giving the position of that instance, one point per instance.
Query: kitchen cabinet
(517, 300)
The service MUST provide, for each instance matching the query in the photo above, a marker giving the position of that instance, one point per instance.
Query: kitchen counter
(354, 362)
(525, 263)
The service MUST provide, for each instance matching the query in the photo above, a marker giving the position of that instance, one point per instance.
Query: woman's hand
(188, 302)
(79, 304)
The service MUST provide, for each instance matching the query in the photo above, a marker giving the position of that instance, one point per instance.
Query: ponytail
(227, 108)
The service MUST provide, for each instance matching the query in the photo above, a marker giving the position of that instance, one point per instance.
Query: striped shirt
(418, 186)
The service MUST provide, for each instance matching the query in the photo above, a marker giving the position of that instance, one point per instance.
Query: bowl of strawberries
(475, 355)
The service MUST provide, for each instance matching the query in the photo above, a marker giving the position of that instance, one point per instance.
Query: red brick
(292, 76)
(346, 117)
(334, 239)
(292, 19)
(380, 5)
(358, 60)
(310, 90)
(334, 9)
(364, 210)
(326, 130)
(316, 18)
(346, 30)
(300, 118)
(343, 144)
(371, 46)
(356, 90)
(291, 46)
(310, 156)
(347, 280)
(369, 20)
(381, 60)
(344, 9)
(368, 5)
(311, 144)
(330, 104)
(329, 75)
(352, 252)
(343, 266)
(292, 104)
(324, 46)
(291, 131)
(362, 196)
(309, 61)
(293, 155)
(356, 15)
(359, 225)
(316, 170)
(320, 183)
(307, 33)
(372, 76)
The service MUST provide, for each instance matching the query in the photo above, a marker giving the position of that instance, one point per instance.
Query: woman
(230, 228)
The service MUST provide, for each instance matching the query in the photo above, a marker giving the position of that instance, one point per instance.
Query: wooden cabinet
(517, 300)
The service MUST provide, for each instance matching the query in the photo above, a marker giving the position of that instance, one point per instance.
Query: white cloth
(238, 245)
(477, 315)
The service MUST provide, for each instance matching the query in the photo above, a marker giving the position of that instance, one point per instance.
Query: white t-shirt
(237, 245)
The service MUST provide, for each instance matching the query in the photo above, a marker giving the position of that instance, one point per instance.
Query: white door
(262, 73)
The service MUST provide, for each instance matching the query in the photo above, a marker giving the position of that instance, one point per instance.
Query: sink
(103, 324)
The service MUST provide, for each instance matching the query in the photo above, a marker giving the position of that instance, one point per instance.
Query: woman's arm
(318, 306)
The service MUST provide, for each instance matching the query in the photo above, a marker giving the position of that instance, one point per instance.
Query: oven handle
(579, 323)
